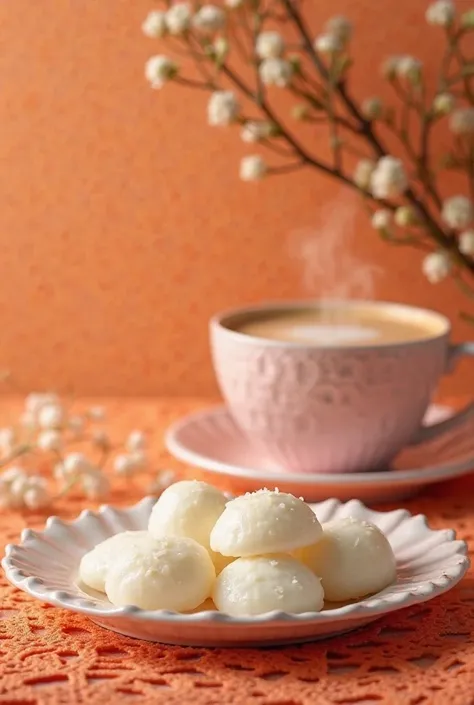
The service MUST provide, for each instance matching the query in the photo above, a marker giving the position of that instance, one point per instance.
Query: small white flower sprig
(47, 436)
(401, 187)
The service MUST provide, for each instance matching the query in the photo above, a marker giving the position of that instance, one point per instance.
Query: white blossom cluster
(253, 131)
(372, 108)
(388, 179)
(253, 168)
(177, 21)
(405, 67)
(223, 107)
(46, 428)
(159, 70)
(75, 468)
(458, 212)
(382, 219)
(441, 13)
(458, 215)
(462, 121)
(21, 491)
(336, 36)
(436, 266)
(444, 103)
(385, 178)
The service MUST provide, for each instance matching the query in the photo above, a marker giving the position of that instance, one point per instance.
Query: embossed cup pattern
(320, 410)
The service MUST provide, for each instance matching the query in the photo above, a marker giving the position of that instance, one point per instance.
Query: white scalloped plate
(45, 565)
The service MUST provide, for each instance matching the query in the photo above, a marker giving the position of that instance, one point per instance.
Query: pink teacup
(313, 407)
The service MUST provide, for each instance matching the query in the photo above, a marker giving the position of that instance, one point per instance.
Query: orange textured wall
(123, 224)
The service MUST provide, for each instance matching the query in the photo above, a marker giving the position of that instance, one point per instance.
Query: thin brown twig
(463, 285)
(255, 30)
(191, 83)
(340, 119)
(317, 88)
(200, 59)
(333, 123)
(443, 81)
(408, 240)
(462, 62)
(273, 147)
(349, 147)
(241, 49)
(17, 452)
(286, 168)
(470, 167)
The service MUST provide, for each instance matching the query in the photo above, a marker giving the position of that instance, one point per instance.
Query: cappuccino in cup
(332, 387)
(327, 327)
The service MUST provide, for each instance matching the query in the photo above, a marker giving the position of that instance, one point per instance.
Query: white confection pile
(260, 552)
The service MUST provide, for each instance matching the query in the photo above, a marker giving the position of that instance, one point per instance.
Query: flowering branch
(403, 197)
(39, 441)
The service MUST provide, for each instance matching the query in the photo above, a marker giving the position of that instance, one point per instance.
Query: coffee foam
(337, 325)
(331, 334)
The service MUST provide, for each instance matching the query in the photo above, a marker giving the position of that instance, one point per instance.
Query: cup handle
(428, 433)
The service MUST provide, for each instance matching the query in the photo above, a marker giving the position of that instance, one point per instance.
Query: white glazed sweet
(189, 508)
(353, 559)
(95, 564)
(264, 522)
(433, 563)
(252, 586)
(172, 573)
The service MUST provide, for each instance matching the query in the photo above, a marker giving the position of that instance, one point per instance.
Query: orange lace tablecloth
(420, 655)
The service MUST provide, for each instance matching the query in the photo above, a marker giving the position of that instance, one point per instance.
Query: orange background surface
(123, 223)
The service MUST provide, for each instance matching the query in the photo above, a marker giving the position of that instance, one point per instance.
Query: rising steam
(330, 269)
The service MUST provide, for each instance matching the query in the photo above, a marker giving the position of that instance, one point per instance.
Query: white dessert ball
(171, 573)
(189, 508)
(251, 586)
(96, 563)
(264, 522)
(353, 559)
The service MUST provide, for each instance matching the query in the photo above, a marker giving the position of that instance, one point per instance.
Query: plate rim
(368, 607)
(415, 476)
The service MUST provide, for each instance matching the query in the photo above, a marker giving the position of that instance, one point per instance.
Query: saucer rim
(420, 475)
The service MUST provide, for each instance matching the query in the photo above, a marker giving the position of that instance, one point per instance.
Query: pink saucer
(211, 441)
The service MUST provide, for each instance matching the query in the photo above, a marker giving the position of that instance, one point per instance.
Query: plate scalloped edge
(440, 559)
